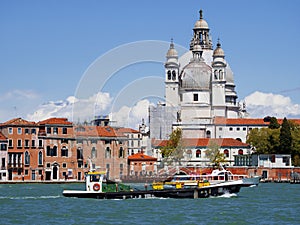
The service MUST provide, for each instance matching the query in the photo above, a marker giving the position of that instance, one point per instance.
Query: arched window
(221, 74)
(64, 151)
(107, 152)
(173, 75)
(238, 139)
(169, 75)
(121, 152)
(54, 151)
(240, 152)
(198, 153)
(40, 159)
(226, 153)
(27, 158)
(208, 134)
(79, 153)
(216, 74)
(93, 153)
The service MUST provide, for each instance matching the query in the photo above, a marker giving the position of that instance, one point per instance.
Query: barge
(97, 186)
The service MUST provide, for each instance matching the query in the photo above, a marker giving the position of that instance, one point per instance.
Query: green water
(44, 204)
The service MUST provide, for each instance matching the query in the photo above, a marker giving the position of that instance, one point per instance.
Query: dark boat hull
(192, 192)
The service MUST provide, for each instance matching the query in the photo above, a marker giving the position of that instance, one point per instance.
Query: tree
(274, 123)
(213, 154)
(265, 140)
(174, 150)
(295, 152)
(285, 137)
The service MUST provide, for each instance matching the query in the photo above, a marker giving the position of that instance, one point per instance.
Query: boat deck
(190, 192)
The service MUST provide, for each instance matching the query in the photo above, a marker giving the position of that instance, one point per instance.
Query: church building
(199, 87)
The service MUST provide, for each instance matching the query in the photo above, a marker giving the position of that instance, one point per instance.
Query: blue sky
(47, 46)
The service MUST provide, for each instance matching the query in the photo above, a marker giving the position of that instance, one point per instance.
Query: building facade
(55, 150)
(3, 157)
(199, 87)
(195, 150)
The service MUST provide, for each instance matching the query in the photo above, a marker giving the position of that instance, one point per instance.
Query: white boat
(215, 177)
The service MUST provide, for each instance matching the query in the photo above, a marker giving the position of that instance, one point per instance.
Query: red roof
(141, 157)
(56, 121)
(96, 131)
(240, 121)
(18, 121)
(203, 142)
(126, 130)
(247, 121)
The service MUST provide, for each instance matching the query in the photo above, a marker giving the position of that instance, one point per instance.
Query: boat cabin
(94, 180)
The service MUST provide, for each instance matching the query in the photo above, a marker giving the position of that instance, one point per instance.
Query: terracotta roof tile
(57, 121)
(96, 131)
(204, 142)
(126, 130)
(141, 157)
(18, 121)
(247, 121)
(240, 121)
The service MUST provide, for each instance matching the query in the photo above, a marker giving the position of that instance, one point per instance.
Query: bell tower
(172, 77)
(219, 81)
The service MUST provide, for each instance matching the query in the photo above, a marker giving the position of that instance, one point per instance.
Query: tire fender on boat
(96, 187)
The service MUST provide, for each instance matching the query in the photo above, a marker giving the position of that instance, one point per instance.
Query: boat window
(198, 153)
(95, 178)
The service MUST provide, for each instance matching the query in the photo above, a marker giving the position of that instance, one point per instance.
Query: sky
(77, 59)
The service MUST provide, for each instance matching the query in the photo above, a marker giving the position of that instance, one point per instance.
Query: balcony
(14, 166)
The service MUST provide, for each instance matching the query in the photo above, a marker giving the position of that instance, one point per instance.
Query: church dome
(218, 52)
(172, 51)
(201, 23)
(196, 75)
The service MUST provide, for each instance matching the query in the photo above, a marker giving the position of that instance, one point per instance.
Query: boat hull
(190, 192)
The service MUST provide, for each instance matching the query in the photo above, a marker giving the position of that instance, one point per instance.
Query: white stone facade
(199, 87)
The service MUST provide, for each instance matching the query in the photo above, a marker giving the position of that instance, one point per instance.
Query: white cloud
(131, 116)
(84, 110)
(73, 108)
(261, 104)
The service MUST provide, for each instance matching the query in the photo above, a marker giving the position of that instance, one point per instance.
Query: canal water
(269, 203)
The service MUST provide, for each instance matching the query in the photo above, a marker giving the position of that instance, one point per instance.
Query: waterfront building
(194, 150)
(134, 139)
(59, 160)
(55, 149)
(104, 147)
(201, 100)
(24, 149)
(3, 157)
(141, 165)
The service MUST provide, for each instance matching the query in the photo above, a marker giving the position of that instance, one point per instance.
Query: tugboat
(97, 186)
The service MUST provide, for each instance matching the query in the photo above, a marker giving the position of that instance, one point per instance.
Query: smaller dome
(197, 48)
(172, 51)
(201, 23)
(218, 52)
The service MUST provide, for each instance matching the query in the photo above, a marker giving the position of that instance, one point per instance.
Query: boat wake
(30, 197)
(227, 195)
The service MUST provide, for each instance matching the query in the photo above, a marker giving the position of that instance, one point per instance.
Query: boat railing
(208, 177)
